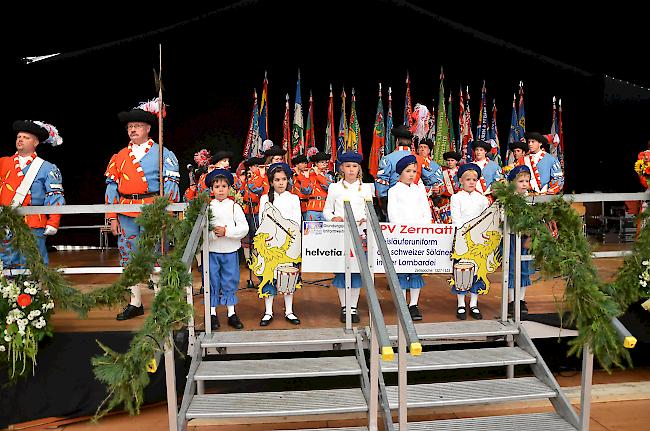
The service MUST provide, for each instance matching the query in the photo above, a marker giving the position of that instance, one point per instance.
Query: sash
(26, 184)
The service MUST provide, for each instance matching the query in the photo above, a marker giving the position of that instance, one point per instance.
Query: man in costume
(546, 172)
(28, 180)
(490, 170)
(132, 177)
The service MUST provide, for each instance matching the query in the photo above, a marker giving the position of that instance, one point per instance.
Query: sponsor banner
(413, 248)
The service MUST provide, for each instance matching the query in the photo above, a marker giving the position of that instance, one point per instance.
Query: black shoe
(130, 311)
(214, 322)
(475, 313)
(461, 315)
(511, 308)
(353, 315)
(523, 308)
(415, 313)
(235, 322)
(294, 320)
(265, 322)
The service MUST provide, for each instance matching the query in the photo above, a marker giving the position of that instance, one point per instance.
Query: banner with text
(413, 248)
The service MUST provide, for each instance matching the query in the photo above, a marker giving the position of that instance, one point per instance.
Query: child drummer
(466, 204)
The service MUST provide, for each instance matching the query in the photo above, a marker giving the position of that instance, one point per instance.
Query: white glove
(49, 230)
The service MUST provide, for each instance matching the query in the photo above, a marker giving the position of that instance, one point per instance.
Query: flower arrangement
(642, 168)
(25, 312)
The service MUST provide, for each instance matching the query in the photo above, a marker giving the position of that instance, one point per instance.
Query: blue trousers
(410, 281)
(127, 241)
(224, 278)
(526, 270)
(339, 280)
(12, 258)
(314, 216)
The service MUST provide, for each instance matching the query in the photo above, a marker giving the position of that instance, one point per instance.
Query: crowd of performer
(409, 188)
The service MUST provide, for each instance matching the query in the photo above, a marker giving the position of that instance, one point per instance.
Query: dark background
(213, 57)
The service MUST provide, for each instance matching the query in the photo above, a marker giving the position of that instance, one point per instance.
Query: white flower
(21, 332)
(10, 320)
(7, 338)
(26, 284)
(2, 348)
(643, 283)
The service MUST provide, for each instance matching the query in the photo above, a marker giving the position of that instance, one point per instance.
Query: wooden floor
(317, 306)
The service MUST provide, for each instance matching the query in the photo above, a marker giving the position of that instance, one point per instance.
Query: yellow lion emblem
(479, 253)
(272, 258)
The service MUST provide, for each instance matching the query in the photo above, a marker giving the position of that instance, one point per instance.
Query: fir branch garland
(126, 375)
(591, 304)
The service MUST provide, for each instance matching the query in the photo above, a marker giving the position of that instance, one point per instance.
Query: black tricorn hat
(253, 161)
(401, 131)
(30, 127)
(301, 158)
(518, 144)
(428, 142)
(482, 144)
(320, 156)
(275, 150)
(537, 136)
(138, 116)
(220, 155)
(452, 155)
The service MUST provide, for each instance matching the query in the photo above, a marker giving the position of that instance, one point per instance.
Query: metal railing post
(170, 380)
(374, 348)
(348, 276)
(505, 267)
(402, 381)
(585, 387)
(205, 266)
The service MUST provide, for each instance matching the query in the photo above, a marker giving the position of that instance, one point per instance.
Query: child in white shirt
(289, 206)
(466, 204)
(228, 226)
(349, 188)
(408, 204)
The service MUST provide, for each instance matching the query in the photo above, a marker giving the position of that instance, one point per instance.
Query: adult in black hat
(490, 170)
(546, 172)
(29, 180)
(425, 146)
(221, 160)
(132, 177)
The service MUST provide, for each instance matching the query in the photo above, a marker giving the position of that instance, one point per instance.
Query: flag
(513, 137)
(297, 128)
(286, 129)
(493, 134)
(450, 121)
(521, 118)
(442, 127)
(556, 148)
(466, 135)
(330, 137)
(353, 142)
(378, 139)
(561, 133)
(264, 115)
(343, 128)
(407, 102)
(431, 134)
(482, 126)
(389, 141)
(310, 138)
(253, 141)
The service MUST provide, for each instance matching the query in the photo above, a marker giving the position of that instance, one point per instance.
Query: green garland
(126, 375)
(590, 303)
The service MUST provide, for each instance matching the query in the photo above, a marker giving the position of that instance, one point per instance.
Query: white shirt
(465, 206)
(287, 203)
(408, 204)
(23, 161)
(342, 191)
(139, 150)
(229, 214)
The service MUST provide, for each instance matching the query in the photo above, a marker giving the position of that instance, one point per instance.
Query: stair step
(471, 392)
(278, 368)
(529, 421)
(274, 404)
(459, 330)
(277, 337)
(468, 358)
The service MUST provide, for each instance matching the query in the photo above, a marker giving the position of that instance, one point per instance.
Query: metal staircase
(354, 352)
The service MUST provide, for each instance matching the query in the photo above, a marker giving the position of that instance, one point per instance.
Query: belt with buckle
(138, 196)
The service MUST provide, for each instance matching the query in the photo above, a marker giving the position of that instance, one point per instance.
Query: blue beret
(351, 156)
(516, 170)
(469, 167)
(404, 162)
(224, 173)
(282, 167)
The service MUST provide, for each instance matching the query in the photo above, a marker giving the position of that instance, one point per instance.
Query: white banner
(413, 248)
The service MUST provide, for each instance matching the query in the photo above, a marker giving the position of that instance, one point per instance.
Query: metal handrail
(93, 209)
(379, 326)
(393, 283)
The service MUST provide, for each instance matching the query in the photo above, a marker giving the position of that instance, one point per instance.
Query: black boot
(130, 311)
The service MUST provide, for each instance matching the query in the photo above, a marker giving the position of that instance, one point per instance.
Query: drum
(286, 278)
(463, 275)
